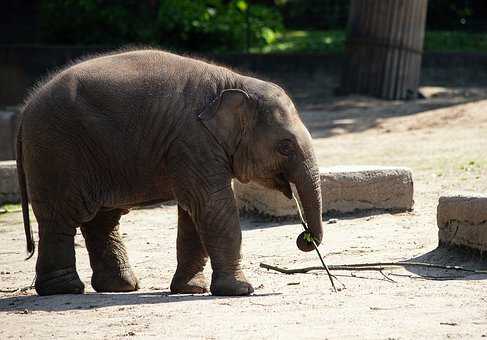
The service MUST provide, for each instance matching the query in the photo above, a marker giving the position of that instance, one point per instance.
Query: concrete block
(462, 221)
(345, 189)
(255, 200)
(8, 132)
(9, 186)
(357, 188)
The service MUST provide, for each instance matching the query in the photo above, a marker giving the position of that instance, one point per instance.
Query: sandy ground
(442, 138)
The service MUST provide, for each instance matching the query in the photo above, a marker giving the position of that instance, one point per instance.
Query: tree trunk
(384, 48)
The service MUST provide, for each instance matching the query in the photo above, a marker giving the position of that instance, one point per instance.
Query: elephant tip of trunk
(304, 243)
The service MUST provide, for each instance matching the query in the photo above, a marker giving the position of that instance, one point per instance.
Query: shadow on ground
(56, 303)
(354, 114)
(450, 257)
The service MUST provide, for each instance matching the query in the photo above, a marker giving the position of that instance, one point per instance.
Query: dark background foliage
(202, 25)
(333, 14)
(183, 24)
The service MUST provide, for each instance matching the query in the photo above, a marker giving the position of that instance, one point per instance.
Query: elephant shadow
(450, 256)
(57, 303)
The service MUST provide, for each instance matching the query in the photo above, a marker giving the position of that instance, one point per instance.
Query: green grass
(306, 41)
(334, 41)
(6, 208)
(445, 41)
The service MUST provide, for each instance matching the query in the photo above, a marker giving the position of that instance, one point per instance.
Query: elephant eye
(285, 147)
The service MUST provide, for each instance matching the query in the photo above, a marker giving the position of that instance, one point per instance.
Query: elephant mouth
(278, 182)
(283, 185)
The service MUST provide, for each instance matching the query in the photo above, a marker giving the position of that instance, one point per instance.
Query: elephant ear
(225, 119)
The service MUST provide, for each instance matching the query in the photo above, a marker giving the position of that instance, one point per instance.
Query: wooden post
(384, 48)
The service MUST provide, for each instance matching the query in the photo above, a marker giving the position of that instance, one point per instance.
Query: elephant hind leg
(56, 264)
(191, 256)
(108, 255)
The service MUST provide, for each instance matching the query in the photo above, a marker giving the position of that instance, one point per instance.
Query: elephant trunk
(308, 184)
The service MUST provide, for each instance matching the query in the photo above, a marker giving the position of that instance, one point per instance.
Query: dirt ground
(443, 139)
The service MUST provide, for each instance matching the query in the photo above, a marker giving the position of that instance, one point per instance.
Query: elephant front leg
(191, 256)
(108, 256)
(219, 229)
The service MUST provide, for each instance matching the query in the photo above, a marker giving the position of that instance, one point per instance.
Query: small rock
(332, 221)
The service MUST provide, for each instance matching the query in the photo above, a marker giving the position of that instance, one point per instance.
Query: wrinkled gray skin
(147, 126)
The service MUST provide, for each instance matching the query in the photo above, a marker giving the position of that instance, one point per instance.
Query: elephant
(139, 127)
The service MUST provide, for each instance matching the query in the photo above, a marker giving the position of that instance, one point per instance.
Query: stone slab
(345, 189)
(9, 186)
(462, 221)
(8, 132)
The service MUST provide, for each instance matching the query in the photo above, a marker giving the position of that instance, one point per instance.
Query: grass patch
(8, 208)
(305, 41)
(446, 41)
(463, 168)
(334, 41)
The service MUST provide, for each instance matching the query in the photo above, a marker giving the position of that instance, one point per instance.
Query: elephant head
(263, 135)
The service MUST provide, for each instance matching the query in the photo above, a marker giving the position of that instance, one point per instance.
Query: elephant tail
(23, 196)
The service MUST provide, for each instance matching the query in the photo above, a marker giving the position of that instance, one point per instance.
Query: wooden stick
(375, 266)
(9, 290)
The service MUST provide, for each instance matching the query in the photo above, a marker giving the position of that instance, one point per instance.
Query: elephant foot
(63, 281)
(114, 281)
(230, 284)
(195, 285)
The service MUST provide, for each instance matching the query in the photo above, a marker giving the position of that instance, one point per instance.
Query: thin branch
(308, 269)
(375, 266)
(410, 264)
(387, 277)
(9, 290)
(352, 275)
(429, 277)
(23, 289)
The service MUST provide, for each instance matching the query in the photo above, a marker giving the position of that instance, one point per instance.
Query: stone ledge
(346, 189)
(462, 221)
(9, 187)
(8, 132)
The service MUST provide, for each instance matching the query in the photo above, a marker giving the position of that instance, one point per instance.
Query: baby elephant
(146, 126)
